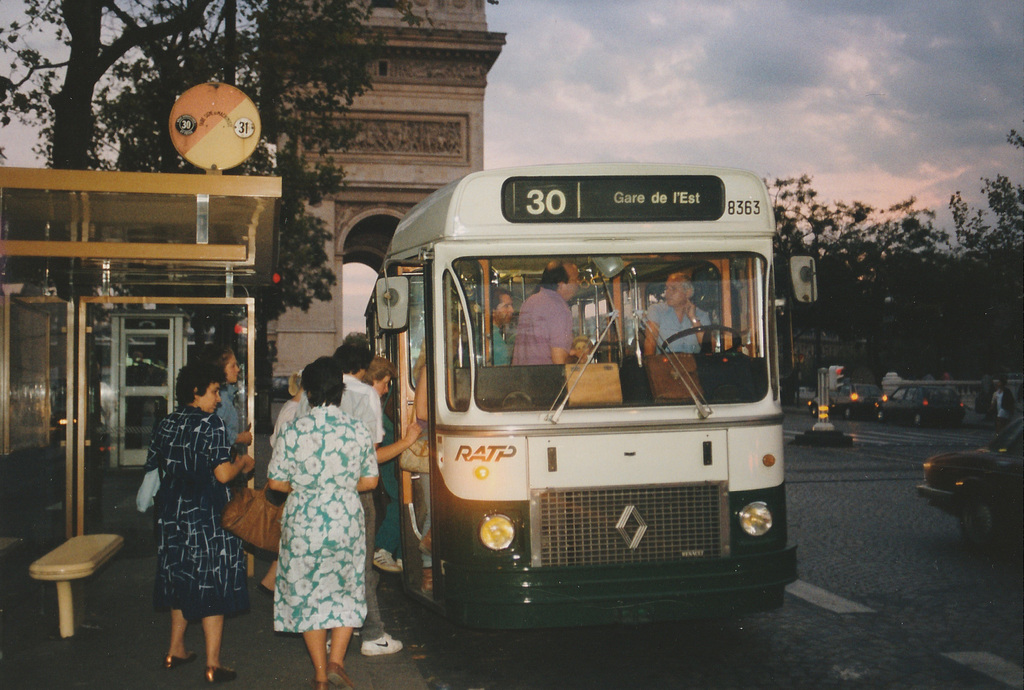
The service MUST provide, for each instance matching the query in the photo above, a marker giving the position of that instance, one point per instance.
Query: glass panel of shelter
(33, 422)
(132, 352)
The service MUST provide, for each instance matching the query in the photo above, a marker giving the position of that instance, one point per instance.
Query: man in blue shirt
(676, 314)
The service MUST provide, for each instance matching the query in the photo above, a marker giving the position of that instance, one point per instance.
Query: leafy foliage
(993, 247)
(301, 61)
(919, 301)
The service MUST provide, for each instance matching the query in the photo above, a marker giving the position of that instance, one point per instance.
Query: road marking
(990, 665)
(825, 599)
(895, 437)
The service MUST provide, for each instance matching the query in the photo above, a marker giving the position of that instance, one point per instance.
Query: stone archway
(367, 240)
(358, 261)
(421, 126)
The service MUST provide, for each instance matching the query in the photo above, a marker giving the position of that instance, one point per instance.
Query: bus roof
(554, 201)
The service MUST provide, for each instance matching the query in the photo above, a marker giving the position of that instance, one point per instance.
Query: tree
(302, 62)
(992, 243)
(97, 34)
(880, 273)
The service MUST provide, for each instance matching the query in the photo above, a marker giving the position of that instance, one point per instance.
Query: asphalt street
(887, 596)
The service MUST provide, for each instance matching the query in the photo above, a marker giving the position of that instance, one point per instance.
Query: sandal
(336, 676)
(219, 674)
(176, 661)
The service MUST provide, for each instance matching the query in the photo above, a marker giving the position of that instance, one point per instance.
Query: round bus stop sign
(214, 126)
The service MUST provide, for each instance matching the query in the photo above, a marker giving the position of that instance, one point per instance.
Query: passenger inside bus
(616, 316)
(545, 320)
(502, 311)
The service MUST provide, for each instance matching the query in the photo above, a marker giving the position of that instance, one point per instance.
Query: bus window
(457, 349)
(722, 348)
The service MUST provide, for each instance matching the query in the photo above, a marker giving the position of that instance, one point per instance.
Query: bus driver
(544, 335)
(676, 314)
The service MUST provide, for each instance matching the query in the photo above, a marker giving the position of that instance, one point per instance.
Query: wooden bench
(77, 558)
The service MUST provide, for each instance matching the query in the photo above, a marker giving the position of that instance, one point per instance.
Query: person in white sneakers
(362, 402)
(383, 560)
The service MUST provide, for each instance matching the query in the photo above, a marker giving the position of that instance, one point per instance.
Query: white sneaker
(385, 644)
(383, 560)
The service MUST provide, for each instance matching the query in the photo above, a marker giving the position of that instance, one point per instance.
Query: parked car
(982, 488)
(279, 388)
(860, 400)
(923, 405)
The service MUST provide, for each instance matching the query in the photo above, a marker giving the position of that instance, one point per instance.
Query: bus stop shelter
(109, 283)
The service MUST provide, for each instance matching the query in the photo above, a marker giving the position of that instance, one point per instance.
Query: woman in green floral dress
(324, 459)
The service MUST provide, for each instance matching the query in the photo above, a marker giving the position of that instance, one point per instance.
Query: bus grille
(607, 526)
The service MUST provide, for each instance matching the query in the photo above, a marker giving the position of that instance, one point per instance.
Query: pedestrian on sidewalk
(289, 411)
(1003, 403)
(201, 571)
(324, 459)
(362, 402)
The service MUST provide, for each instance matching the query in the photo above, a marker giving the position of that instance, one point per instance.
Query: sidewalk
(123, 640)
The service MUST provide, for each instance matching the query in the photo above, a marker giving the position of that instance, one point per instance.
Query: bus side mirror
(804, 279)
(392, 297)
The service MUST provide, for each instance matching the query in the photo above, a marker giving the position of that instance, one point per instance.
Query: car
(860, 400)
(923, 405)
(982, 488)
(279, 388)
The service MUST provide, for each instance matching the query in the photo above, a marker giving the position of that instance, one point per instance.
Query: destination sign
(629, 198)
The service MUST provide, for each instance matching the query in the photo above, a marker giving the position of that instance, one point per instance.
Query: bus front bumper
(557, 597)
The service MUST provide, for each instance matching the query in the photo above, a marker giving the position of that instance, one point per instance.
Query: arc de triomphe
(422, 128)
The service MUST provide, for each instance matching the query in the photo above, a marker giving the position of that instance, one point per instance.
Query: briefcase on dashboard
(598, 384)
(666, 378)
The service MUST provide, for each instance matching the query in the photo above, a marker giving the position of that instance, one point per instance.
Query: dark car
(923, 405)
(860, 400)
(279, 388)
(982, 488)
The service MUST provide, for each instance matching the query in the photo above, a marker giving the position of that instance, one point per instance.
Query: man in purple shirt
(544, 335)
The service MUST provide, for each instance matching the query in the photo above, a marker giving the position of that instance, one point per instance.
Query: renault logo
(630, 513)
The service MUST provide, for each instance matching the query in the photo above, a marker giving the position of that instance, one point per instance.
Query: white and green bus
(633, 480)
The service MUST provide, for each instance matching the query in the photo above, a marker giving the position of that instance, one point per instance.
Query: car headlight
(497, 532)
(756, 519)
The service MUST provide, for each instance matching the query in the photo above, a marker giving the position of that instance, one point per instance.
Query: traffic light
(835, 377)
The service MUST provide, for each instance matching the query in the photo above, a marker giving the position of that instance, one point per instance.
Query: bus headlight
(756, 519)
(497, 532)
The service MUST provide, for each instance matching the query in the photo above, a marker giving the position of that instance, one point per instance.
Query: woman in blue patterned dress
(324, 459)
(201, 572)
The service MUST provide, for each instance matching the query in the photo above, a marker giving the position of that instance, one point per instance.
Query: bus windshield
(536, 333)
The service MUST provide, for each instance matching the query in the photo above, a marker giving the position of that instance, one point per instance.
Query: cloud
(878, 101)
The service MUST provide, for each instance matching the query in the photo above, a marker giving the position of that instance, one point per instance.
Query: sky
(876, 100)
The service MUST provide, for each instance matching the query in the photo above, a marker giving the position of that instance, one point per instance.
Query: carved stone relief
(431, 72)
(411, 137)
(441, 4)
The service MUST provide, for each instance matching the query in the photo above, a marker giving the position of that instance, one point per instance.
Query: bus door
(410, 351)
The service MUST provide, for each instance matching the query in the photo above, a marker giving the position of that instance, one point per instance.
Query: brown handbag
(665, 378)
(253, 519)
(416, 458)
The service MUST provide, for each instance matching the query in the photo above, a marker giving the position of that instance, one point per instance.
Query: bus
(624, 478)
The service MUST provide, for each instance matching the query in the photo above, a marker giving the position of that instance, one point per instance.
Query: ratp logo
(484, 453)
